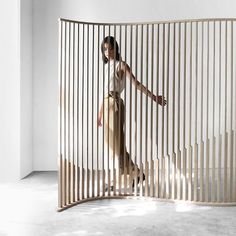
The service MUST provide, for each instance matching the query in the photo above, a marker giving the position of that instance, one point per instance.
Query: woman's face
(108, 51)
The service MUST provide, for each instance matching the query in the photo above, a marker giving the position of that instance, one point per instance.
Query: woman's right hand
(99, 121)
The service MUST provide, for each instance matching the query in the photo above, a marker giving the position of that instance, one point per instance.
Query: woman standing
(113, 105)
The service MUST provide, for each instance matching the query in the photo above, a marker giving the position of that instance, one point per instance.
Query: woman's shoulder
(121, 63)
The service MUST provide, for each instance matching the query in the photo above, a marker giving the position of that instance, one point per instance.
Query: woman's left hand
(160, 100)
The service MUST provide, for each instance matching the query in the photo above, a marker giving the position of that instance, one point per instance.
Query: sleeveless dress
(114, 118)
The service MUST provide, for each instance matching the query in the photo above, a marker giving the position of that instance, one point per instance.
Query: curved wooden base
(214, 204)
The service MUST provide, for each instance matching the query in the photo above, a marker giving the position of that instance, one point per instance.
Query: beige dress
(114, 119)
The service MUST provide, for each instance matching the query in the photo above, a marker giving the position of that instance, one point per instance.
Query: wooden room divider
(184, 150)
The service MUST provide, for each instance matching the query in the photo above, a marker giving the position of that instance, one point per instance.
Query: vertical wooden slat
(196, 126)
(125, 92)
(82, 148)
(173, 119)
(73, 118)
(60, 160)
(157, 114)
(225, 196)
(173, 190)
(146, 120)
(231, 186)
(119, 174)
(167, 117)
(92, 135)
(213, 189)
(207, 123)
(219, 124)
(178, 154)
(64, 122)
(157, 178)
(77, 194)
(110, 139)
(151, 155)
(190, 166)
(78, 115)
(135, 115)
(103, 141)
(141, 116)
(130, 120)
(162, 122)
(152, 178)
(201, 129)
(114, 145)
(234, 132)
(68, 119)
(98, 81)
(184, 189)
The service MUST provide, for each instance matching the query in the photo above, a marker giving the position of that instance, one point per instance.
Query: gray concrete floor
(28, 208)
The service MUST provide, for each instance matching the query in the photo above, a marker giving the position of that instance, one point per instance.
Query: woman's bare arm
(126, 69)
(100, 115)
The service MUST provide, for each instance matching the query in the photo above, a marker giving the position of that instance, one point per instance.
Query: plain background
(29, 65)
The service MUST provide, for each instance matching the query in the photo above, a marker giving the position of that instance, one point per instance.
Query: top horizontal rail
(152, 22)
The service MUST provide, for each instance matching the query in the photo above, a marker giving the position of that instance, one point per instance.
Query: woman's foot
(138, 180)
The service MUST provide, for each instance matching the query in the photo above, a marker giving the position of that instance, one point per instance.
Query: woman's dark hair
(114, 45)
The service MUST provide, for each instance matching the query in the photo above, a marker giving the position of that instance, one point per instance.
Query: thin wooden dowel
(196, 126)
(110, 139)
(130, 120)
(178, 155)
(173, 120)
(219, 124)
(225, 196)
(119, 175)
(190, 166)
(141, 116)
(78, 116)
(167, 118)
(201, 129)
(184, 189)
(60, 157)
(125, 96)
(152, 178)
(231, 119)
(82, 149)
(114, 143)
(73, 190)
(92, 120)
(68, 117)
(98, 81)
(157, 178)
(151, 153)
(213, 189)
(173, 191)
(207, 123)
(157, 114)
(162, 122)
(64, 122)
(103, 141)
(135, 116)
(146, 120)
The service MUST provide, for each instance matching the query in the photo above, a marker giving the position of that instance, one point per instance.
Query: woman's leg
(115, 137)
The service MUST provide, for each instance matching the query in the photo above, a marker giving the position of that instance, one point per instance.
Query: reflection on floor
(28, 208)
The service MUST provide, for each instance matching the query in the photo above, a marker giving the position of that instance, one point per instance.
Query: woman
(113, 105)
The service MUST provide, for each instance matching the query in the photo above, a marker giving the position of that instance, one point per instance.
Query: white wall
(45, 45)
(26, 135)
(15, 89)
(9, 91)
